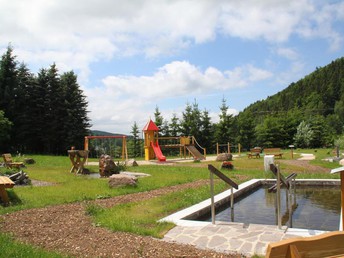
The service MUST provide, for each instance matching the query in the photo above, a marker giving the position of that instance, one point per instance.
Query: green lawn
(138, 217)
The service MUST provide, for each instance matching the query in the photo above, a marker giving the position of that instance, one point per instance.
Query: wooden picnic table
(5, 182)
(78, 159)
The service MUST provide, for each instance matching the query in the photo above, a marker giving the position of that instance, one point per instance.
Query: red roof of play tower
(150, 126)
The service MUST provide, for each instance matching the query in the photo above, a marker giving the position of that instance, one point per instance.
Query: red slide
(157, 151)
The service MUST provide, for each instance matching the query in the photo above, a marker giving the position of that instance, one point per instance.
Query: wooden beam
(222, 176)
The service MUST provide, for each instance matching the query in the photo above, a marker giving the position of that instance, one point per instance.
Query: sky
(134, 56)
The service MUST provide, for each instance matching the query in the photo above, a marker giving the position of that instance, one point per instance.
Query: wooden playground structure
(152, 144)
(228, 146)
(123, 137)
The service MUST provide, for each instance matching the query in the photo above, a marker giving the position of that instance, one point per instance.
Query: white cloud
(288, 53)
(132, 98)
(78, 33)
(179, 78)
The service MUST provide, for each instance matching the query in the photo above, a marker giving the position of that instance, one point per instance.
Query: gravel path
(67, 229)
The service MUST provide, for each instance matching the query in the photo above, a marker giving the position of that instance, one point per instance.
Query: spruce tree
(136, 146)
(76, 122)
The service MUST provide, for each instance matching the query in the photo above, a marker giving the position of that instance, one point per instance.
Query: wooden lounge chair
(9, 162)
(324, 245)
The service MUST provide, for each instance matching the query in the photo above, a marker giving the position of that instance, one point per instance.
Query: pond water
(311, 207)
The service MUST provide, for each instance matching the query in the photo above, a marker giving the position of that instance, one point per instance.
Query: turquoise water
(312, 207)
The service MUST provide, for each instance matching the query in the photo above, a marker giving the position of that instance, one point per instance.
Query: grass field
(137, 217)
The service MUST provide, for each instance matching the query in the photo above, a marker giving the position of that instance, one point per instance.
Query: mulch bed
(67, 229)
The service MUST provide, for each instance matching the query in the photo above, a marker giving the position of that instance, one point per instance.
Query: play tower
(152, 148)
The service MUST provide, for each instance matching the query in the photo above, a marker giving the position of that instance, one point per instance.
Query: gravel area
(67, 229)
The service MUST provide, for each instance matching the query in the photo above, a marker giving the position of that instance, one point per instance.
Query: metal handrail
(227, 180)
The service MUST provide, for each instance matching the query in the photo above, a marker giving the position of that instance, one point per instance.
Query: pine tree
(136, 146)
(76, 122)
(174, 125)
(224, 129)
(5, 130)
(186, 123)
(206, 135)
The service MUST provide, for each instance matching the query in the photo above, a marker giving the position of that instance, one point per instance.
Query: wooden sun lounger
(324, 245)
(9, 162)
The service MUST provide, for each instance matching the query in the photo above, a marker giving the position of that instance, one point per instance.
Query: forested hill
(317, 100)
(317, 93)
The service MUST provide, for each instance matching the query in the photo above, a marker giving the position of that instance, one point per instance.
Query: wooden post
(217, 148)
(341, 171)
(342, 198)
(279, 198)
(229, 147)
(232, 198)
(212, 198)
(239, 148)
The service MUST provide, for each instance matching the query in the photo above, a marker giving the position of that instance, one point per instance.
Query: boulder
(29, 161)
(341, 162)
(224, 157)
(120, 180)
(131, 163)
(107, 166)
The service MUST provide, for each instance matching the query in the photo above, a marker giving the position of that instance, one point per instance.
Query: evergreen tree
(206, 136)
(24, 102)
(76, 122)
(195, 121)
(186, 123)
(158, 119)
(5, 130)
(8, 83)
(224, 129)
(174, 125)
(136, 146)
(246, 130)
(165, 130)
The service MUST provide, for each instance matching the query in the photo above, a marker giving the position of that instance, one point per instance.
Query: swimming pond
(311, 207)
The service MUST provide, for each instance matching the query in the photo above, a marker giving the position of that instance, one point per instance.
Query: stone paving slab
(245, 239)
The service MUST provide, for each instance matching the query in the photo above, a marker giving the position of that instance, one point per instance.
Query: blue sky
(133, 56)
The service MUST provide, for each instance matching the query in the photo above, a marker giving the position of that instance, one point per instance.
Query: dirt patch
(67, 229)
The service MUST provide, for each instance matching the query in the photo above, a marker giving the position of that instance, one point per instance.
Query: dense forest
(43, 113)
(47, 113)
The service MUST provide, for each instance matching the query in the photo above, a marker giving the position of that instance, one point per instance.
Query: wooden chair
(324, 245)
(9, 162)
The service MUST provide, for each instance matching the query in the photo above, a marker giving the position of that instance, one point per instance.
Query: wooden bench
(9, 162)
(5, 182)
(273, 151)
(254, 153)
(324, 245)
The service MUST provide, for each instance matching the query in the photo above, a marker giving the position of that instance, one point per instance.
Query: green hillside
(316, 101)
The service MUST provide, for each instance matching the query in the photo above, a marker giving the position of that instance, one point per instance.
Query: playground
(37, 213)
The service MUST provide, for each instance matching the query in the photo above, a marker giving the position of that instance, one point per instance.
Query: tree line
(43, 113)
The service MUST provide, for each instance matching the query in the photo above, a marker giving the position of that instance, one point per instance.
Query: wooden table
(5, 182)
(78, 159)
